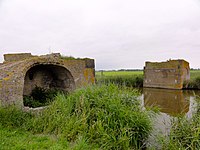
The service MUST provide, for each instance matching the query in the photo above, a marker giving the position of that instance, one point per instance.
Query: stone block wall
(21, 73)
(16, 57)
(171, 74)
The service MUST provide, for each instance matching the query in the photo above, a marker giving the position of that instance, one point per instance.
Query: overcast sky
(116, 33)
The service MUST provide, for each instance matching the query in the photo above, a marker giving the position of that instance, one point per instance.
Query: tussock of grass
(97, 117)
(193, 84)
(72, 58)
(13, 117)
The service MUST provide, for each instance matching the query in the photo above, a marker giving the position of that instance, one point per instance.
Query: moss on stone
(13, 73)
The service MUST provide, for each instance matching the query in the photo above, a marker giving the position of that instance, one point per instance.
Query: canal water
(171, 103)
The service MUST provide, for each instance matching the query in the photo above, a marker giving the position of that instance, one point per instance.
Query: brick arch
(48, 76)
(13, 72)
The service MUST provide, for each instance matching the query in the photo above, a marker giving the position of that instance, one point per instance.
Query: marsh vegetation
(105, 116)
(121, 78)
(96, 117)
(184, 133)
(135, 78)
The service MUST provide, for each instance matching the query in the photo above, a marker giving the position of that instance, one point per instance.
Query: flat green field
(119, 73)
(193, 73)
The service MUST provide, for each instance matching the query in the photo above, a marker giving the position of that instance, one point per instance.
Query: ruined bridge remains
(171, 74)
(21, 73)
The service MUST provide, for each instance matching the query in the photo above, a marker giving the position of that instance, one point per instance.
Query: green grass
(135, 78)
(96, 117)
(121, 78)
(194, 74)
(185, 133)
(118, 73)
(194, 82)
(127, 81)
(15, 139)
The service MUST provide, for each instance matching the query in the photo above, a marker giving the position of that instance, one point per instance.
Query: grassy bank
(17, 139)
(135, 78)
(185, 133)
(194, 74)
(97, 117)
(128, 81)
(193, 83)
(122, 78)
(119, 73)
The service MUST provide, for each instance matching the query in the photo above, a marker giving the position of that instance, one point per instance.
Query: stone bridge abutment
(21, 73)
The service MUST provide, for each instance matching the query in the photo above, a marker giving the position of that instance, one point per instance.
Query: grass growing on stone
(97, 117)
(72, 58)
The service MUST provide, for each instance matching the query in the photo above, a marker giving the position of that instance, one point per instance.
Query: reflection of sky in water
(171, 103)
(192, 107)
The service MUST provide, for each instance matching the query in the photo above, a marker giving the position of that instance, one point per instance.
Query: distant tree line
(194, 69)
(121, 70)
(133, 70)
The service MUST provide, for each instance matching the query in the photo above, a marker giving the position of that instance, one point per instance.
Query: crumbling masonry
(21, 73)
(171, 74)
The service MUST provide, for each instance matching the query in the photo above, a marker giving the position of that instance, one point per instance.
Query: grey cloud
(117, 33)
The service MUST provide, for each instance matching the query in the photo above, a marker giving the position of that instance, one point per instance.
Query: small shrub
(40, 97)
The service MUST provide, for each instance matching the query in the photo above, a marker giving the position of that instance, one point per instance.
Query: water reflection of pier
(171, 102)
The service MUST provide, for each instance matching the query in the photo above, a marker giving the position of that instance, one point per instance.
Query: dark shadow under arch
(48, 76)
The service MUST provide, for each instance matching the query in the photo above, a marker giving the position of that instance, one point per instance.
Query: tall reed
(101, 116)
(124, 80)
(185, 133)
(193, 83)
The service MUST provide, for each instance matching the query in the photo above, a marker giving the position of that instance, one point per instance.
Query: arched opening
(43, 80)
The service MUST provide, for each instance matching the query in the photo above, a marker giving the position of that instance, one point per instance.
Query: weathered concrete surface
(21, 73)
(171, 74)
